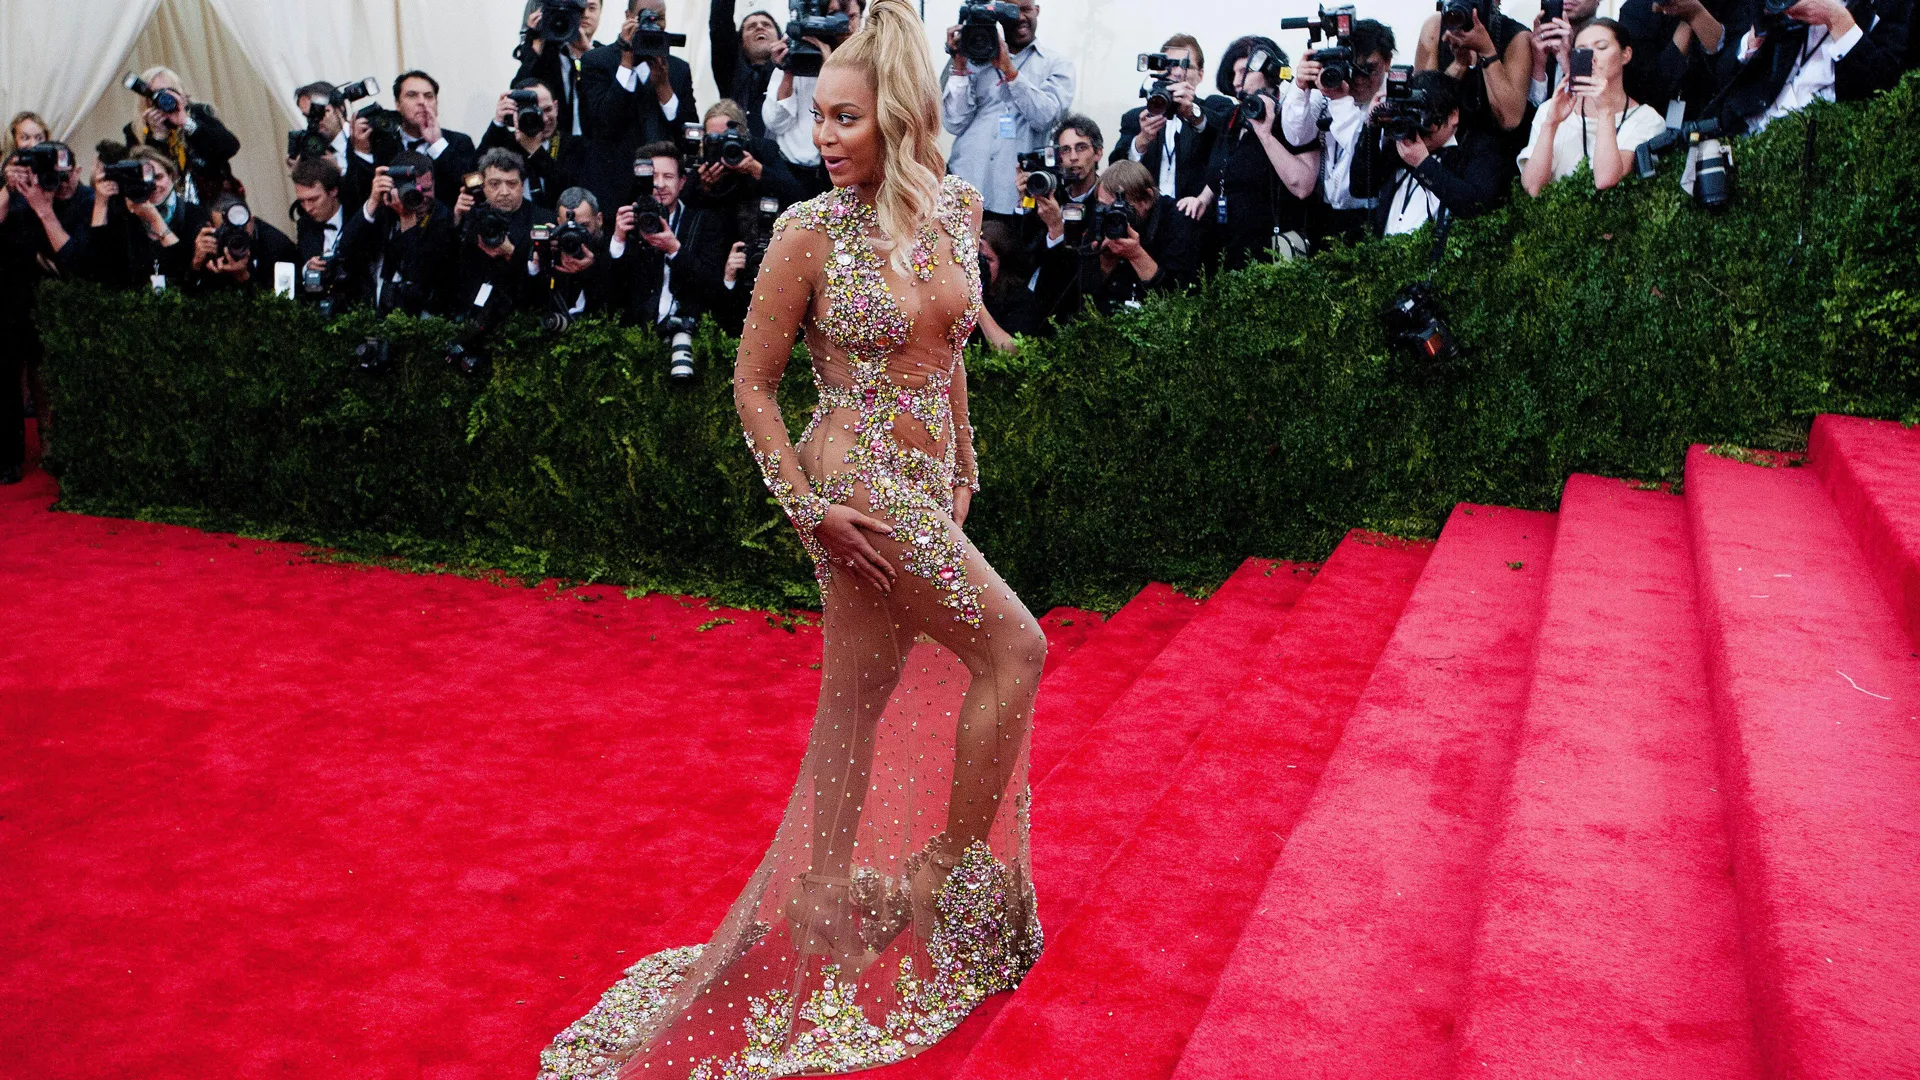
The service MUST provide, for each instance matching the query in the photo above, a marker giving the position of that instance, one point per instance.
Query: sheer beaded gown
(897, 893)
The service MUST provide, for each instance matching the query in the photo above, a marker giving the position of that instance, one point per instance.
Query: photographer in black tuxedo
(1186, 121)
(235, 250)
(320, 211)
(525, 121)
(557, 63)
(399, 246)
(571, 273)
(496, 223)
(417, 95)
(1816, 50)
(669, 259)
(634, 94)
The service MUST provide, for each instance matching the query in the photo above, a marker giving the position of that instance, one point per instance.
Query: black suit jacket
(745, 83)
(597, 283)
(210, 151)
(620, 121)
(1191, 150)
(452, 166)
(697, 271)
(1874, 64)
(1468, 178)
(547, 176)
(270, 246)
(120, 255)
(422, 257)
(309, 235)
(554, 65)
(474, 268)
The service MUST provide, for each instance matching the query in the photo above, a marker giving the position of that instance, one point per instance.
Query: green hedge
(1262, 414)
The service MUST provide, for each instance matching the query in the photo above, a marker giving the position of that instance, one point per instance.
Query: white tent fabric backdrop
(246, 56)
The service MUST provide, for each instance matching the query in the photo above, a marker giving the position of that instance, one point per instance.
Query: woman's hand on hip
(844, 532)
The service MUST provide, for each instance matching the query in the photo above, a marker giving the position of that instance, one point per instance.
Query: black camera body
(649, 217)
(979, 40)
(760, 234)
(50, 162)
(1404, 114)
(1335, 25)
(1261, 107)
(1042, 167)
(650, 37)
(571, 240)
(1712, 180)
(1159, 92)
(810, 20)
(167, 101)
(527, 116)
(728, 147)
(1458, 14)
(384, 133)
(406, 187)
(488, 226)
(560, 20)
(132, 178)
(308, 142)
(235, 242)
(1110, 222)
(1413, 318)
(374, 356)
(1773, 17)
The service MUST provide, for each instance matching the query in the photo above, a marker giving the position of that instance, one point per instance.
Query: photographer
(417, 96)
(1002, 106)
(530, 104)
(139, 237)
(1051, 232)
(399, 248)
(733, 191)
(43, 205)
(1414, 167)
(1330, 110)
(743, 60)
(235, 250)
(1490, 55)
(787, 112)
(1158, 250)
(356, 171)
(319, 219)
(634, 93)
(1676, 46)
(557, 65)
(189, 134)
(1255, 182)
(495, 228)
(580, 281)
(1821, 50)
(1175, 144)
(1606, 124)
(670, 260)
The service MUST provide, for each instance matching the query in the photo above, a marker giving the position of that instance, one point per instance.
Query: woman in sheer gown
(897, 893)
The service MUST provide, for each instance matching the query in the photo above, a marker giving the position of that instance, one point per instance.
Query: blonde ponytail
(891, 48)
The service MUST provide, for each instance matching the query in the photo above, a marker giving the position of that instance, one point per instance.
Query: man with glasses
(1331, 117)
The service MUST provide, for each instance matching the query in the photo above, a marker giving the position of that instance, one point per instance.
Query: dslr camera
(406, 187)
(979, 38)
(165, 100)
(650, 37)
(1773, 18)
(1712, 178)
(648, 215)
(1458, 14)
(385, 133)
(1159, 92)
(760, 234)
(235, 244)
(810, 20)
(134, 179)
(560, 20)
(303, 143)
(50, 162)
(1261, 106)
(1043, 172)
(1413, 318)
(488, 226)
(1336, 61)
(728, 147)
(1403, 114)
(526, 111)
(1110, 222)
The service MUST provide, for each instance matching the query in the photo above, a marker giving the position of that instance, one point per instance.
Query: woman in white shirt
(1611, 125)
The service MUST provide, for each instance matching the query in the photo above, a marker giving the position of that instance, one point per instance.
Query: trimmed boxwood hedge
(1263, 413)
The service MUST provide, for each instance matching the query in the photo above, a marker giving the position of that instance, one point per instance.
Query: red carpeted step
(1353, 962)
(1871, 469)
(1075, 696)
(1067, 629)
(1816, 692)
(1608, 941)
(1124, 981)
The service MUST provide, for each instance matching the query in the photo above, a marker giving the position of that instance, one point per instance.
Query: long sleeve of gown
(781, 294)
(966, 466)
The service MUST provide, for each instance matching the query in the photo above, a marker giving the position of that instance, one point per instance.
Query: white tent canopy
(245, 56)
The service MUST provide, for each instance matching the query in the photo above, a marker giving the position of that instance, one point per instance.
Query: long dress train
(898, 892)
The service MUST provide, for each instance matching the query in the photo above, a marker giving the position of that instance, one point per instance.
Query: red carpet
(1630, 791)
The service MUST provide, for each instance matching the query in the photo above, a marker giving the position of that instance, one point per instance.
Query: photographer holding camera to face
(1060, 182)
(398, 248)
(743, 58)
(234, 250)
(1787, 55)
(635, 93)
(328, 135)
(188, 133)
(142, 229)
(43, 205)
(1417, 162)
(417, 97)
(1590, 116)
(1004, 93)
(1172, 134)
(1135, 242)
(1337, 86)
(1489, 54)
(671, 261)
(570, 272)
(496, 223)
(1252, 205)
(556, 36)
(787, 111)
(524, 122)
(734, 170)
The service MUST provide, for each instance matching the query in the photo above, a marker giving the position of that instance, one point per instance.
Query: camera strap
(1442, 225)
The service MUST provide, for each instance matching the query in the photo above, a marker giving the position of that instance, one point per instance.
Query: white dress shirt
(633, 78)
(1169, 146)
(341, 148)
(1812, 76)
(1300, 125)
(790, 122)
(1412, 204)
(432, 149)
(330, 232)
(994, 120)
(618, 250)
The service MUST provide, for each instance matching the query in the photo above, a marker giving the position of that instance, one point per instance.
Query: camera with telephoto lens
(50, 162)
(1403, 113)
(527, 116)
(1159, 93)
(1458, 14)
(650, 37)
(680, 359)
(163, 99)
(235, 242)
(1413, 318)
(308, 142)
(133, 178)
(384, 133)
(979, 38)
(649, 217)
(810, 20)
(728, 147)
(374, 356)
(1336, 61)
(560, 20)
(406, 187)
(1712, 171)
(1043, 172)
